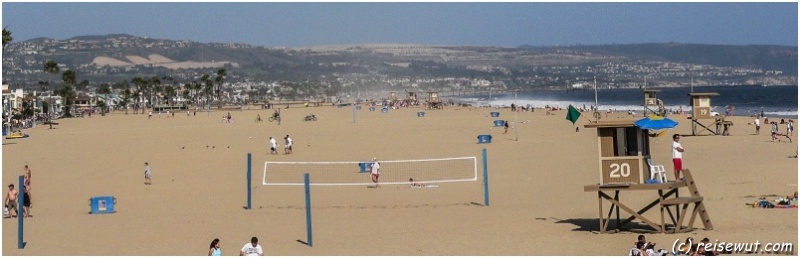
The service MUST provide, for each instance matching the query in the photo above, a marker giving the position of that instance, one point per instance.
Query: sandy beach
(536, 174)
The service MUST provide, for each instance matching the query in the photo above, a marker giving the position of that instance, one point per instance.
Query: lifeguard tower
(625, 166)
(652, 104)
(433, 100)
(701, 110)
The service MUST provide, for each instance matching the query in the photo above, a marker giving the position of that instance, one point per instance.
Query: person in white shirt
(252, 248)
(273, 149)
(288, 148)
(375, 171)
(758, 125)
(677, 156)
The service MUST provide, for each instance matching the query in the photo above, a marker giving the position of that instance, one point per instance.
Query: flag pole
(516, 132)
(596, 108)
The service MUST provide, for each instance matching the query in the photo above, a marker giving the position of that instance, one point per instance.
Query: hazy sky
(474, 24)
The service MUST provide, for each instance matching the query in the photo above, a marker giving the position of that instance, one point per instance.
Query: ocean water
(775, 101)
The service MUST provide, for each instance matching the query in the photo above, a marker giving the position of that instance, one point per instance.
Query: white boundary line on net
(474, 174)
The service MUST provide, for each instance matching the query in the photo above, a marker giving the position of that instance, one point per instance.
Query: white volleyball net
(354, 173)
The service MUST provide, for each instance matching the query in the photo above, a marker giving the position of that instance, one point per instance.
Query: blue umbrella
(655, 123)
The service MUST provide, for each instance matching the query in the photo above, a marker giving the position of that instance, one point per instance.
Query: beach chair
(657, 172)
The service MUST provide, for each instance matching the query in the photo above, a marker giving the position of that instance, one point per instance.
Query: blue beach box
(102, 204)
(385, 109)
(484, 138)
(421, 114)
(371, 109)
(495, 114)
(364, 167)
(499, 122)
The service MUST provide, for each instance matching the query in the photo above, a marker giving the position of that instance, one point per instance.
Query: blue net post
(308, 211)
(249, 180)
(485, 179)
(20, 209)
(354, 114)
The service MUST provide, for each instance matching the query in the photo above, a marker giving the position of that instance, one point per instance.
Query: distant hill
(116, 57)
(767, 57)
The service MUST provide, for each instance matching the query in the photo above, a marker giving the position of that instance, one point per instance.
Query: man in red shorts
(677, 156)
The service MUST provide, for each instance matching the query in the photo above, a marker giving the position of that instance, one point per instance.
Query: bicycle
(273, 118)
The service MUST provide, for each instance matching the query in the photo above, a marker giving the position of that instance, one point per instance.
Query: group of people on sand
(287, 147)
(774, 128)
(249, 249)
(11, 201)
(703, 248)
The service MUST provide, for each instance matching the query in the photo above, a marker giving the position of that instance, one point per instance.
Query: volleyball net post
(20, 211)
(249, 181)
(308, 210)
(485, 179)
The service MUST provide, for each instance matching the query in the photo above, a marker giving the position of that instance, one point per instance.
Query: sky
(298, 25)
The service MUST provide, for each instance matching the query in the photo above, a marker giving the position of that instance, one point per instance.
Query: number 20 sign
(621, 171)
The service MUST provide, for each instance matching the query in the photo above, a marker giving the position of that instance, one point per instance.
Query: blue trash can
(364, 167)
(498, 123)
(102, 204)
(495, 114)
(384, 110)
(421, 114)
(484, 138)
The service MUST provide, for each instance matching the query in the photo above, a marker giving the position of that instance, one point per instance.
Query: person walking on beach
(677, 156)
(252, 248)
(10, 202)
(758, 125)
(376, 171)
(214, 249)
(273, 149)
(147, 174)
(789, 127)
(26, 202)
(28, 180)
(289, 143)
(505, 126)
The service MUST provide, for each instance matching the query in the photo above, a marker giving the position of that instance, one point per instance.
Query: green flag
(573, 114)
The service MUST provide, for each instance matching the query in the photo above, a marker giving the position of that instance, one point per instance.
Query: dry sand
(538, 206)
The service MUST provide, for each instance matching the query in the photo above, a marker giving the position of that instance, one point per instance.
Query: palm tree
(141, 85)
(68, 93)
(220, 79)
(126, 94)
(155, 86)
(169, 91)
(51, 67)
(169, 81)
(7, 38)
(208, 87)
(105, 89)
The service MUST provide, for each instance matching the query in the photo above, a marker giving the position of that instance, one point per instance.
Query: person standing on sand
(214, 249)
(149, 114)
(147, 174)
(252, 248)
(677, 156)
(505, 126)
(28, 178)
(376, 171)
(273, 149)
(10, 201)
(289, 144)
(758, 125)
